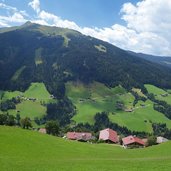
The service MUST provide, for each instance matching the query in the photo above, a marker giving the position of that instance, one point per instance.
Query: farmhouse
(108, 135)
(161, 140)
(79, 136)
(42, 130)
(132, 141)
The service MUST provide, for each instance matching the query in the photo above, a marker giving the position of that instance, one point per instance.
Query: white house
(161, 140)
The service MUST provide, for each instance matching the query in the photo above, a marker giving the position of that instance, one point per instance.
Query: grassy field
(158, 92)
(38, 91)
(23, 150)
(27, 107)
(96, 97)
(141, 118)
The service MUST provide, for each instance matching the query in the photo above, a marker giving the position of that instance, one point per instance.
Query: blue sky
(137, 25)
(88, 13)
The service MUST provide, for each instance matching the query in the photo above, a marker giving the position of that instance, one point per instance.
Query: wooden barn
(79, 136)
(132, 142)
(109, 135)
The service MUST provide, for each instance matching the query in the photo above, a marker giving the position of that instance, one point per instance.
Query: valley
(75, 82)
(91, 99)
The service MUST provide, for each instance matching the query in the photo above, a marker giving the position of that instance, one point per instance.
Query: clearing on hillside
(32, 101)
(160, 94)
(96, 97)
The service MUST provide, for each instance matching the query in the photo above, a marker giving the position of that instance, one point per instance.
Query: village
(110, 136)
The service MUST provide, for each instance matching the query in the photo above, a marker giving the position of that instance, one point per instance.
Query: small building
(161, 140)
(109, 135)
(79, 136)
(132, 141)
(128, 110)
(42, 130)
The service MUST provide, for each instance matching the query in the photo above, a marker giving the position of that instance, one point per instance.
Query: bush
(52, 127)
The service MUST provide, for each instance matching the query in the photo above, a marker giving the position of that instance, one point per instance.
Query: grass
(138, 91)
(96, 97)
(11, 94)
(38, 91)
(18, 73)
(158, 92)
(38, 58)
(93, 98)
(141, 118)
(101, 48)
(32, 151)
(155, 90)
(54, 31)
(27, 107)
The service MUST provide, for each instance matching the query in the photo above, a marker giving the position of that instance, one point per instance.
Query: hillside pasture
(94, 98)
(160, 94)
(141, 118)
(28, 107)
(23, 150)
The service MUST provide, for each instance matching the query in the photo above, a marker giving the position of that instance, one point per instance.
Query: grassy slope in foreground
(23, 150)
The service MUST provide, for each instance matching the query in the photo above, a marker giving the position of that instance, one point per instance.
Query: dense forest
(35, 53)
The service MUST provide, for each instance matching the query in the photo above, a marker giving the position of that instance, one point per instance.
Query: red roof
(79, 136)
(108, 134)
(132, 139)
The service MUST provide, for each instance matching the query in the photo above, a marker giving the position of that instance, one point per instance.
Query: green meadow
(93, 98)
(96, 97)
(141, 118)
(160, 94)
(23, 150)
(28, 107)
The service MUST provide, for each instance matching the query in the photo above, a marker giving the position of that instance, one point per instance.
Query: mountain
(36, 53)
(163, 60)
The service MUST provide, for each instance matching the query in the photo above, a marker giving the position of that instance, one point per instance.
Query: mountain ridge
(36, 53)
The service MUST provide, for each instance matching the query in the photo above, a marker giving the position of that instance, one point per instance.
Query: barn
(79, 136)
(108, 135)
(132, 142)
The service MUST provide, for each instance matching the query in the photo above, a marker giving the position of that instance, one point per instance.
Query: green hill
(160, 94)
(96, 97)
(22, 150)
(37, 53)
(39, 61)
(29, 108)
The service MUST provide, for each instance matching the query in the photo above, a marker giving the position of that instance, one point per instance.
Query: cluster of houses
(109, 136)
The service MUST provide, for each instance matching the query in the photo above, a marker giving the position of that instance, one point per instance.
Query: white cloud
(54, 20)
(151, 20)
(35, 4)
(7, 7)
(16, 18)
(3, 24)
(13, 16)
(147, 30)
